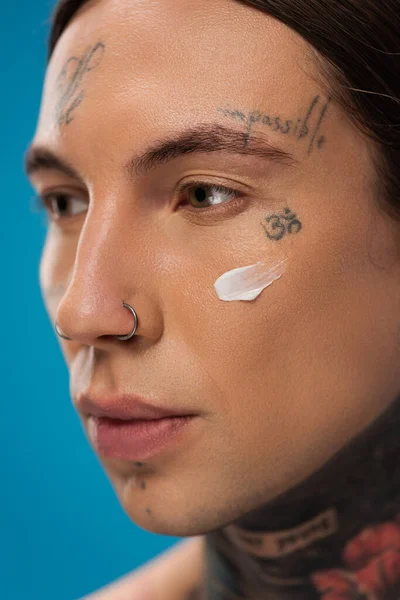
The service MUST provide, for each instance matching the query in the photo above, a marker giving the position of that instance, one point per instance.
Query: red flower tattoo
(371, 567)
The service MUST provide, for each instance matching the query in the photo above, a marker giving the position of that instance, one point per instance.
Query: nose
(123, 337)
(102, 303)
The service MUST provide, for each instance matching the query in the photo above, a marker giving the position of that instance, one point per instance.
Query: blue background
(63, 531)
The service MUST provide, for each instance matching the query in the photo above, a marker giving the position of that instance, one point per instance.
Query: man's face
(279, 383)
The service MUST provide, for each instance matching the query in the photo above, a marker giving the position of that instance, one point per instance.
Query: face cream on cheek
(246, 283)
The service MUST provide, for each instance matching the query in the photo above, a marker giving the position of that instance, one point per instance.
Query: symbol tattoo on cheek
(143, 485)
(276, 229)
(69, 81)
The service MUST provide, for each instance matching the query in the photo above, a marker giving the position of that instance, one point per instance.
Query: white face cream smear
(246, 283)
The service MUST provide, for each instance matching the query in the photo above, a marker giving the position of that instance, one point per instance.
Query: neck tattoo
(335, 536)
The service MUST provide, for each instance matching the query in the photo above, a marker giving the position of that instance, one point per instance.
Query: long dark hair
(356, 44)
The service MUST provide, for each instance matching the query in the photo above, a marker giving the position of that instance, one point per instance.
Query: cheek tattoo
(276, 229)
(69, 81)
(300, 128)
(247, 283)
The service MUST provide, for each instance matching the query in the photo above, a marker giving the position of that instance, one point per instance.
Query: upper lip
(124, 406)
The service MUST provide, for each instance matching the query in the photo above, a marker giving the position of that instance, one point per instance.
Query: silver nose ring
(58, 332)
(135, 324)
(118, 337)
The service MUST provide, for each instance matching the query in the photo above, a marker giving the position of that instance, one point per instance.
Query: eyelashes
(201, 186)
(48, 202)
(209, 199)
(219, 209)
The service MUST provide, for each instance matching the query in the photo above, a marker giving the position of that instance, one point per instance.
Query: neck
(336, 535)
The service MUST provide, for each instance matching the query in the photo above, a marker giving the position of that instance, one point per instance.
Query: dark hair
(356, 46)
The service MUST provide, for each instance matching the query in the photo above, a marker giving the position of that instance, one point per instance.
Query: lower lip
(138, 439)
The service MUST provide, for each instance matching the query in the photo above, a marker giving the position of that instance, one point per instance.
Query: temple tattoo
(276, 228)
(70, 79)
(299, 128)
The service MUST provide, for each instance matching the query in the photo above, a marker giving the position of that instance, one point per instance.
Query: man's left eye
(201, 195)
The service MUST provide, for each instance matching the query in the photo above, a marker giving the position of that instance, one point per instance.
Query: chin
(164, 521)
(185, 519)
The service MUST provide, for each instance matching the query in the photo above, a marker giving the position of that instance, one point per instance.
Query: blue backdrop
(63, 532)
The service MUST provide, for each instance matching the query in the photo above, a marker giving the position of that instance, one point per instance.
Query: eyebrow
(201, 138)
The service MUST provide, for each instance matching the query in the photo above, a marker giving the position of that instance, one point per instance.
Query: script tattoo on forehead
(277, 226)
(306, 127)
(70, 80)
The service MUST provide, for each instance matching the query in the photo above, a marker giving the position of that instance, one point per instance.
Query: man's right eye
(60, 206)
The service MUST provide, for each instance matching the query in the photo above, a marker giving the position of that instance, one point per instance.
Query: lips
(138, 439)
(125, 407)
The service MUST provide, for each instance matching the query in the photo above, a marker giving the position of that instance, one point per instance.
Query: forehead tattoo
(71, 79)
(305, 127)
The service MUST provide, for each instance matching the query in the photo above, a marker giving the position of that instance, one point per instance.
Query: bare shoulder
(170, 576)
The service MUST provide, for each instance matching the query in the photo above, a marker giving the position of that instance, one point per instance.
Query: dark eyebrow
(202, 138)
(38, 158)
(208, 138)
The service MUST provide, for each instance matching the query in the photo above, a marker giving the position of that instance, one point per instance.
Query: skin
(281, 384)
